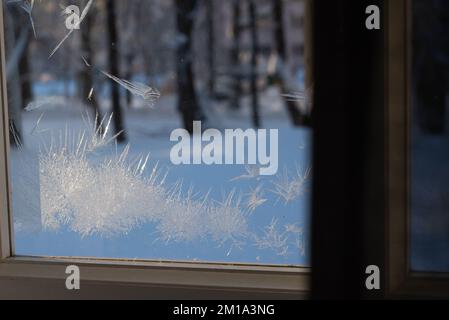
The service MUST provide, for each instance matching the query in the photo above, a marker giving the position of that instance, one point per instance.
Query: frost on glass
(76, 26)
(27, 6)
(79, 190)
(115, 193)
(148, 94)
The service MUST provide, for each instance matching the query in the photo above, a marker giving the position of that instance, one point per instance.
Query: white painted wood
(6, 238)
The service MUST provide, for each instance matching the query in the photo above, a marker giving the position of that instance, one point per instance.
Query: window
(428, 126)
(417, 238)
(107, 104)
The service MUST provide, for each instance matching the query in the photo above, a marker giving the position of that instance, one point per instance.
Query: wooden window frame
(401, 280)
(195, 279)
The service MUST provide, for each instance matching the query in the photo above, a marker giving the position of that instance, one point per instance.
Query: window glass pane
(430, 137)
(166, 130)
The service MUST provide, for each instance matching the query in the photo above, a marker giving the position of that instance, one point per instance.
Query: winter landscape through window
(97, 88)
(429, 183)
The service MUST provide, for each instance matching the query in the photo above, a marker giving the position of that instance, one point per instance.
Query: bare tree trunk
(130, 14)
(235, 58)
(20, 23)
(187, 100)
(129, 57)
(87, 82)
(13, 87)
(430, 80)
(254, 56)
(114, 70)
(292, 107)
(308, 55)
(26, 79)
(278, 12)
(210, 12)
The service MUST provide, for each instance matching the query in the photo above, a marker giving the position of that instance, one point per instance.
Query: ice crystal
(148, 94)
(278, 240)
(298, 235)
(91, 92)
(304, 98)
(252, 172)
(86, 187)
(118, 195)
(273, 239)
(78, 23)
(38, 103)
(183, 218)
(226, 220)
(255, 198)
(15, 135)
(27, 6)
(300, 244)
(111, 198)
(36, 126)
(289, 187)
(296, 96)
(98, 134)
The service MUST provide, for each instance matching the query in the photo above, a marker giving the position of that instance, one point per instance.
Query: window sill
(200, 279)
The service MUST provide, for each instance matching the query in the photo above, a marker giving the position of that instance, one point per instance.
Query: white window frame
(229, 280)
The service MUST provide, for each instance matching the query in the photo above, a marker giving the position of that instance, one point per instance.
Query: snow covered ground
(85, 210)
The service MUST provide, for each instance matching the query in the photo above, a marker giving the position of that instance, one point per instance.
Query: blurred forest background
(209, 54)
(231, 64)
(429, 141)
